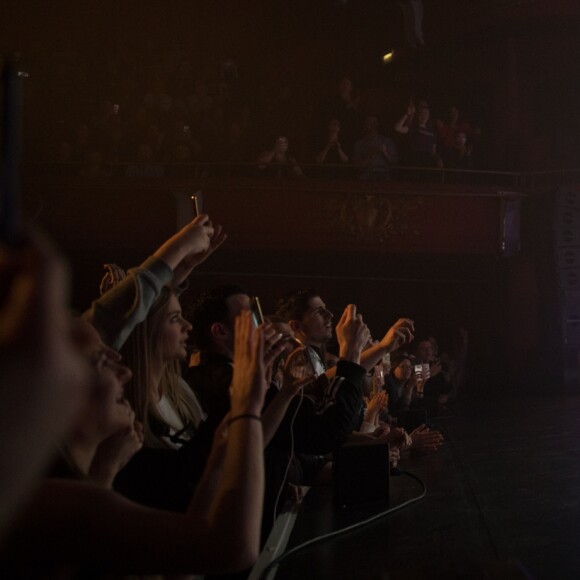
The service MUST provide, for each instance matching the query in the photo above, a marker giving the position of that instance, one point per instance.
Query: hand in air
(249, 380)
(352, 334)
(400, 333)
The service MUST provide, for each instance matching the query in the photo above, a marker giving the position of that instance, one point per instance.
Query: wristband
(245, 416)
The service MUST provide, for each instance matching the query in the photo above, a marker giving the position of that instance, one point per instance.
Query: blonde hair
(143, 347)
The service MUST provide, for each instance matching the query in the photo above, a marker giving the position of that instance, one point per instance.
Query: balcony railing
(207, 169)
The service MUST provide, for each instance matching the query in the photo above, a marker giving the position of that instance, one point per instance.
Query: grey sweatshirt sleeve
(116, 313)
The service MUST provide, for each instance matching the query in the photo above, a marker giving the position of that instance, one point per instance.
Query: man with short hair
(212, 317)
(311, 322)
(438, 386)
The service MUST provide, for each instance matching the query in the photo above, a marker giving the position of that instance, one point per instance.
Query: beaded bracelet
(245, 416)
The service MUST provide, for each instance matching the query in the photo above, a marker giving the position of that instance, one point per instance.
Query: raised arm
(400, 333)
(403, 124)
(118, 311)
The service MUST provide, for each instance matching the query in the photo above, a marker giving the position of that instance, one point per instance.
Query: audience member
(219, 533)
(344, 106)
(213, 315)
(332, 152)
(448, 130)
(45, 378)
(403, 386)
(422, 141)
(375, 152)
(276, 162)
(438, 386)
(460, 155)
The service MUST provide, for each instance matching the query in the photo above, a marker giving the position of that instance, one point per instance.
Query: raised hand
(249, 381)
(193, 239)
(112, 277)
(39, 342)
(352, 334)
(191, 261)
(45, 377)
(400, 333)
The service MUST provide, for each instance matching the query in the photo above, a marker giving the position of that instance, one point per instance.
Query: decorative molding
(376, 216)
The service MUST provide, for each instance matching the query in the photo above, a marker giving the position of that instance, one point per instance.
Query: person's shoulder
(298, 356)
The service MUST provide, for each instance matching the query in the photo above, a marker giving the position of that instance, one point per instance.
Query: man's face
(425, 350)
(316, 323)
(423, 115)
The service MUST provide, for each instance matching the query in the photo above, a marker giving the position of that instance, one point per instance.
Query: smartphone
(256, 309)
(186, 128)
(387, 363)
(116, 108)
(195, 205)
(418, 369)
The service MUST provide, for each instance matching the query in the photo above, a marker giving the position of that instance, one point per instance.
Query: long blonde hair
(142, 348)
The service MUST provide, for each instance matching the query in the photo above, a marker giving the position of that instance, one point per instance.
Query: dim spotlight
(387, 58)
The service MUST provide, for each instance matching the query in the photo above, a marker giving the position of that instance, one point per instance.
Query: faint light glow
(388, 57)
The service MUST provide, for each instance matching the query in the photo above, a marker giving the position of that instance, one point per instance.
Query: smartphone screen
(195, 205)
(256, 309)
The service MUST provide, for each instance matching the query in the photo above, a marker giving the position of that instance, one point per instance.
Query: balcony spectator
(422, 140)
(276, 162)
(448, 129)
(375, 152)
(332, 153)
(344, 106)
(460, 155)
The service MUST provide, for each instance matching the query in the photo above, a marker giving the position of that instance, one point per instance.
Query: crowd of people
(178, 122)
(142, 440)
